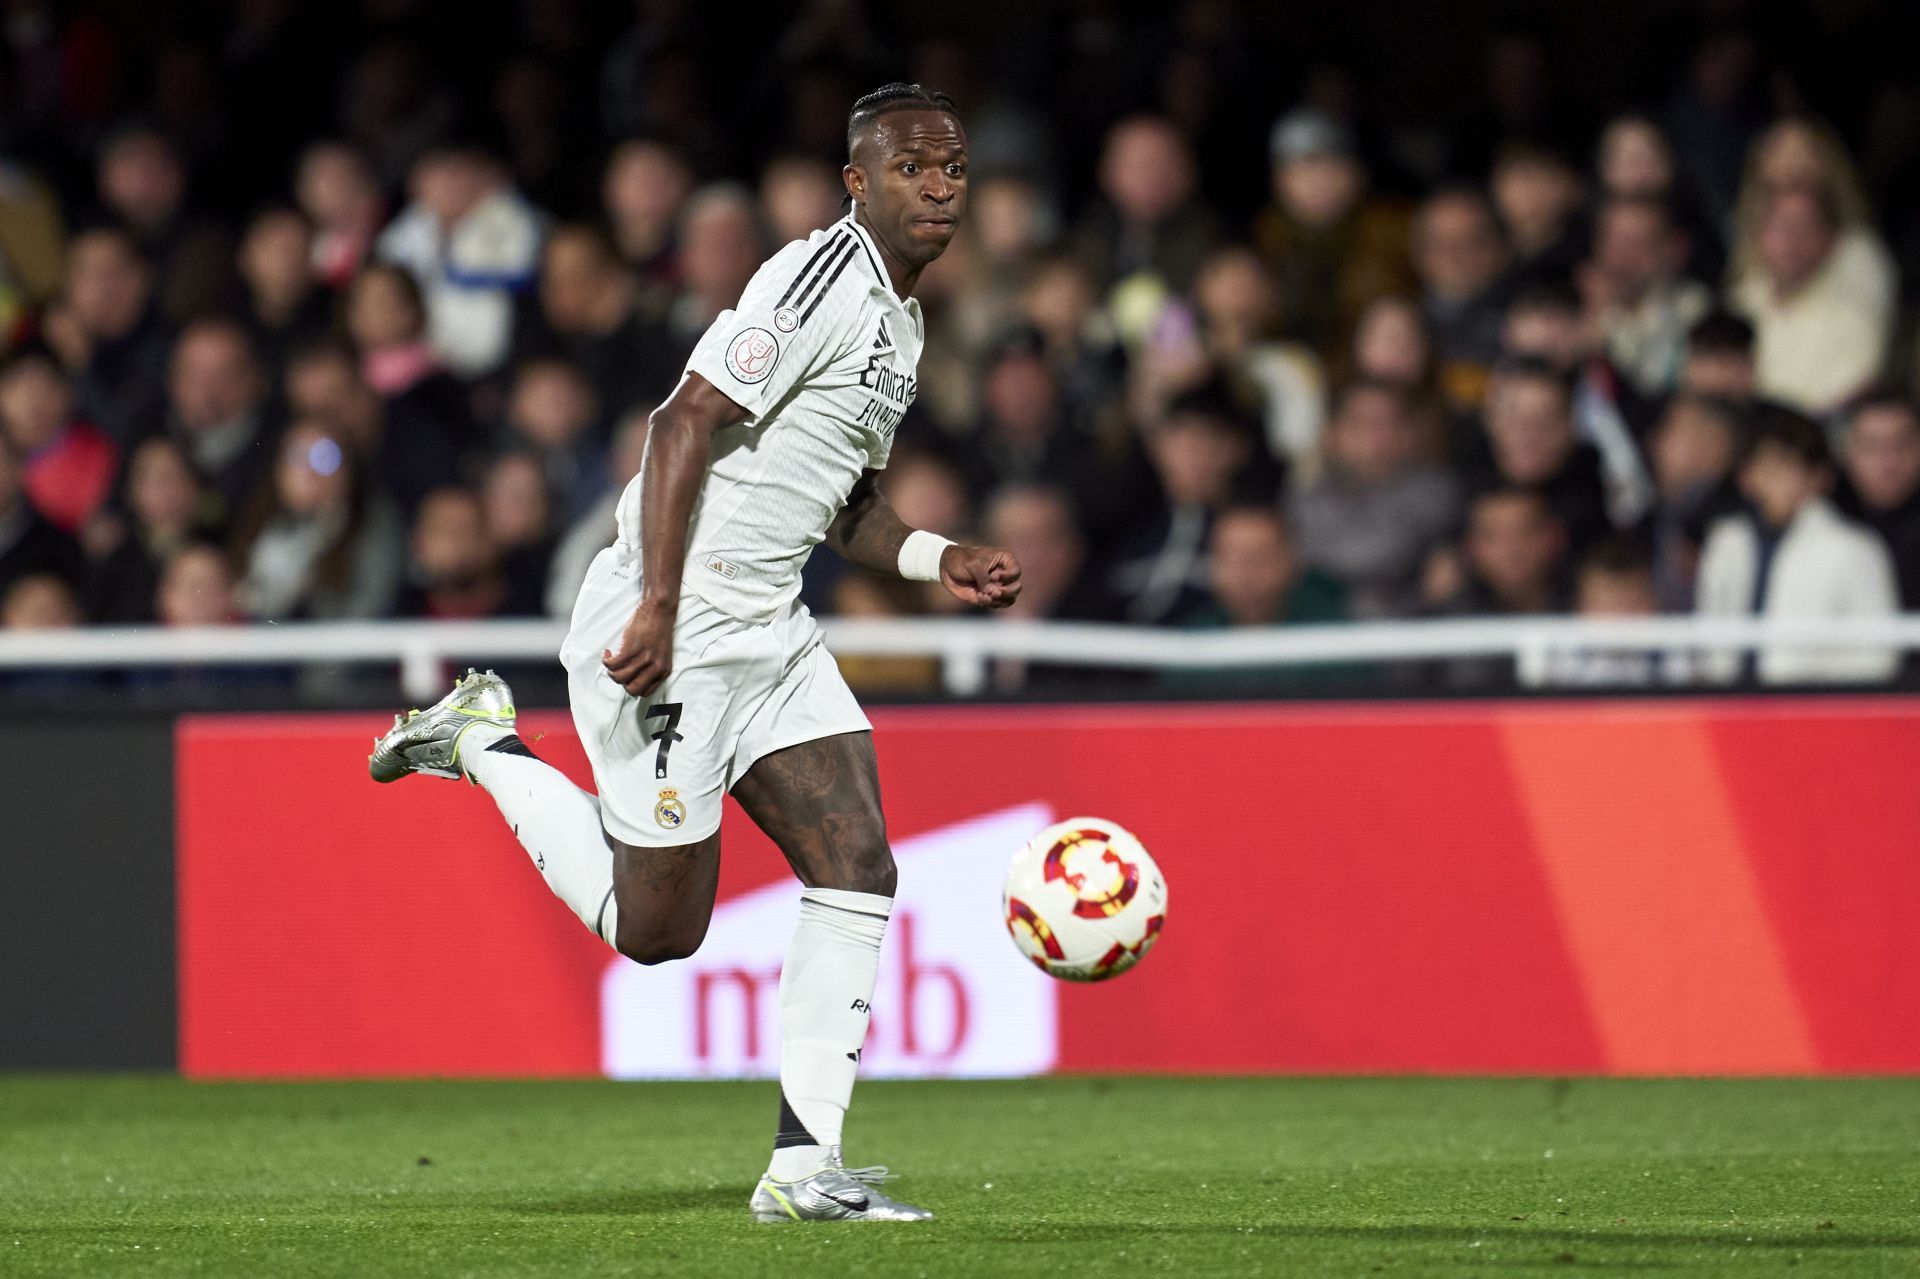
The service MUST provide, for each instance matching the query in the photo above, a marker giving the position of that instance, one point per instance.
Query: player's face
(911, 174)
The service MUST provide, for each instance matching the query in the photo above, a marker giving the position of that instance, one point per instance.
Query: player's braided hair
(894, 97)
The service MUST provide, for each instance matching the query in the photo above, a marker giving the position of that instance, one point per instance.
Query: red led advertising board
(1619, 887)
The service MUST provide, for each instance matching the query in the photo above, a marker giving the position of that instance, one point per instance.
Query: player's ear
(856, 182)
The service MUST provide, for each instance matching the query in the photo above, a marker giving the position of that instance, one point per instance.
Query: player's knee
(656, 945)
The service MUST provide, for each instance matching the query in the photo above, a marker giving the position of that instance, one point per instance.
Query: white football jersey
(821, 353)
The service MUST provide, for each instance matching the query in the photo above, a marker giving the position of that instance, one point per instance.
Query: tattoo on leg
(665, 870)
(820, 802)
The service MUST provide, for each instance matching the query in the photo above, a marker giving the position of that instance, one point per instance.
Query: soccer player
(693, 669)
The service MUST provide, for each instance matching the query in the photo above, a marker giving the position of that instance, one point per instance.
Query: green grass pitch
(147, 1176)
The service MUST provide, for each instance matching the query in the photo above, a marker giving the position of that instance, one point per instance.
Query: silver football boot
(429, 741)
(834, 1193)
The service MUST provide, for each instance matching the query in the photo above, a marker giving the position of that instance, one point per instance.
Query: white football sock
(826, 986)
(556, 822)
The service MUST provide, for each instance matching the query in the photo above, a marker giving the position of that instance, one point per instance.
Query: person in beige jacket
(1794, 556)
(1822, 300)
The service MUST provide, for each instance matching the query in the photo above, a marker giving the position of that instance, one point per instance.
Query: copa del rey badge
(752, 355)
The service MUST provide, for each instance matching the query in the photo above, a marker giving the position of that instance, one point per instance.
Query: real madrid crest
(670, 812)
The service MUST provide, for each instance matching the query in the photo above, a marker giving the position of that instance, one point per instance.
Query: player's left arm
(869, 533)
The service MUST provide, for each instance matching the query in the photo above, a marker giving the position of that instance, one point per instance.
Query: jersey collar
(871, 252)
(869, 249)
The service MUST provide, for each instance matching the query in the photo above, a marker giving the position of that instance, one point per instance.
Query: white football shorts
(739, 690)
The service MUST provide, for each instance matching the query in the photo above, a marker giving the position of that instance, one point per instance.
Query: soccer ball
(1084, 901)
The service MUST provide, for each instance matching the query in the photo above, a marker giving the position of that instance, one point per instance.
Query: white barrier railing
(966, 647)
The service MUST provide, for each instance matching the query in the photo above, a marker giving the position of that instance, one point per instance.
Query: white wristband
(920, 556)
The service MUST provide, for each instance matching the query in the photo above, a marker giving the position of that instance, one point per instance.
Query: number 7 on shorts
(666, 736)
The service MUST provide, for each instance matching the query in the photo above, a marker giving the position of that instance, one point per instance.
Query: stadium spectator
(1802, 154)
(196, 588)
(1037, 524)
(1377, 509)
(1821, 312)
(520, 522)
(337, 189)
(1720, 358)
(1546, 321)
(1636, 298)
(1530, 442)
(386, 320)
(30, 545)
(1255, 578)
(1200, 451)
(68, 464)
(39, 602)
(1393, 345)
(163, 512)
(1515, 556)
(1513, 563)
(646, 184)
(1022, 436)
(472, 243)
(1234, 298)
(551, 412)
(405, 442)
(1880, 485)
(1537, 194)
(1148, 231)
(800, 195)
(1635, 160)
(588, 308)
(314, 541)
(1616, 581)
(217, 410)
(32, 239)
(1795, 556)
(595, 530)
(286, 304)
(1331, 246)
(1461, 261)
(1062, 303)
(142, 183)
(453, 570)
(107, 334)
(1694, 448)
(719, 250)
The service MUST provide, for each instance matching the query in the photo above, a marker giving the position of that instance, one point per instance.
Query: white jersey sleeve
(789, 325)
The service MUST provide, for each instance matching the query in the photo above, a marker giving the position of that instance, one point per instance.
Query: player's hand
(984, 575)
(644, 656)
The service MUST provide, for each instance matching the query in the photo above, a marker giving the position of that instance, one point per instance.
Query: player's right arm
(789, 322)
(674, 466)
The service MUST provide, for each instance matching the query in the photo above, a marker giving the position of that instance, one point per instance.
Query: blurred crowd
(310, 313)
